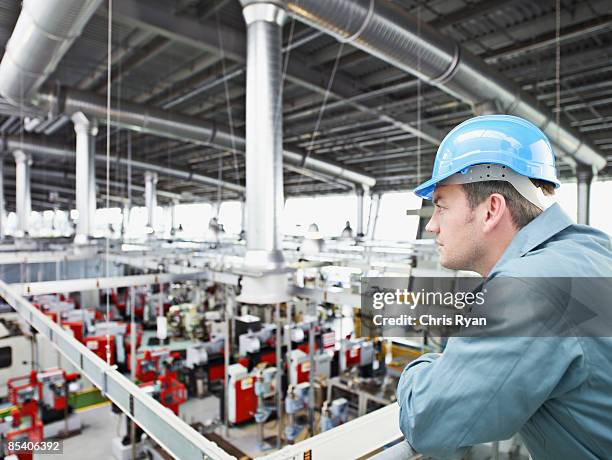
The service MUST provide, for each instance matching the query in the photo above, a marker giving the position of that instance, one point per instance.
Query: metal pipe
(375, 211)
(311, 375)
(143, 118)
(36, 146)
(264, 133)
(584, 177)
(279, 378)
(112, 282)
(390, 33)
(43, 34)
(2, 204)
(360, 195)
(150, 198)
(23, 199)
(86, 130)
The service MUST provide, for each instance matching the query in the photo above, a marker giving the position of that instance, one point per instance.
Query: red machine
(150, 365)
(54, 392)
(97, 344)
(25, 392)
(352, 354)
(172, 393)
(76, 327)
(167, 389)
(242, 401)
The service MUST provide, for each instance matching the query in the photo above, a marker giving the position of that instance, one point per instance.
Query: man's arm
(483, 389)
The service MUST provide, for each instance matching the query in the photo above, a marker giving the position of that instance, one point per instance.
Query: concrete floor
(101, 425)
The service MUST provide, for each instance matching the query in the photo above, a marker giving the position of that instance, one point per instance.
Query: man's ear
(494, 211)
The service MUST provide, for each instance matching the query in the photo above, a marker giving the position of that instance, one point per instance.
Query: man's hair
(521, 210)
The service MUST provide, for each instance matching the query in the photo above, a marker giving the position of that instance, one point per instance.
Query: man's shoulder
(576, 251)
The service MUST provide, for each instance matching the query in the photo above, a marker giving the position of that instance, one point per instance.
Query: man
(491, 183)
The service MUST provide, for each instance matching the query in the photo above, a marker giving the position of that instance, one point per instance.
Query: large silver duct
(143, 118)
(388, 32)
(44, 31)
(34, 146)
(264, 134)
(264, 153)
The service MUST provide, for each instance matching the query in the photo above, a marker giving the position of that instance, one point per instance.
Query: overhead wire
(227, 106)
(419, 102)
(557, 63)
(328, 88)
(108, 139)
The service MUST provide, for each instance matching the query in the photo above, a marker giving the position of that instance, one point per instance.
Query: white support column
(584, 177)
(374, 211)
(23, 162)
(86, 130)
(151, 199)
(264, 152)
(360, 214)
(173, 206)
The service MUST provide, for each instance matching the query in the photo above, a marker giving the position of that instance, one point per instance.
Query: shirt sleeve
(483, 389)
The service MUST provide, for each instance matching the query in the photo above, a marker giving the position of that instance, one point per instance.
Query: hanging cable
(418, 165)
(108, 138)
(227, 100)
(315, 131)
(558, 63)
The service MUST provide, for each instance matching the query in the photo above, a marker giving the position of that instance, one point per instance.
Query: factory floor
(101, 425)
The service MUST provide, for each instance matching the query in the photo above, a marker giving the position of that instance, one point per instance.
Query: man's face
(453, 222)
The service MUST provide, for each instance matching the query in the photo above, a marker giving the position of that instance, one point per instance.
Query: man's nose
(432, 226)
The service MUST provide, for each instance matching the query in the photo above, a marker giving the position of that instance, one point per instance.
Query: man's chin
(447, 263)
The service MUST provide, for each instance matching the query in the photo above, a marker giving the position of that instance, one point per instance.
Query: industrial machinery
(150, 364)
(241, 398)
(24, 422)
(265, 387)
(204, 365)
(333, 414)
(166, 387)
(15, 351)
(40, 407)
(295, 402)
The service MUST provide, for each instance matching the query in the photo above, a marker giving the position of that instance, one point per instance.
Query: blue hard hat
(498, 139)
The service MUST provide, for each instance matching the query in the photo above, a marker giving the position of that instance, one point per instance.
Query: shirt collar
(552, 221)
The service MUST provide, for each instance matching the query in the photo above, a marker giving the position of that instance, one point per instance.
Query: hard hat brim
(427, 188)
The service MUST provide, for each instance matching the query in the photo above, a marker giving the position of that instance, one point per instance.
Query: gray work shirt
(555, 391)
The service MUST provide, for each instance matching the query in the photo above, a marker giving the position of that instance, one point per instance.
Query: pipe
(374, 213)
(150, 198)
(584, 177)
(2, 203)
(360, 195)
(388, 32)
(43, 34)
(264, 134)
(143, 118)
(86, 131)
(36, 146)
(23, 197)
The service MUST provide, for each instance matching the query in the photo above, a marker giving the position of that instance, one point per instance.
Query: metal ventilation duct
(388, 32)
(38, 147)
(45, 30)
(144, 118)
